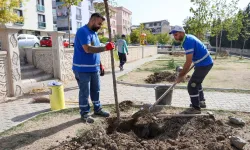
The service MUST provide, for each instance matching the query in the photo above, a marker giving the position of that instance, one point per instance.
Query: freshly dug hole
(192, 133)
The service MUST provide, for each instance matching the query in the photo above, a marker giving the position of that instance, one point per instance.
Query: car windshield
(46, 38)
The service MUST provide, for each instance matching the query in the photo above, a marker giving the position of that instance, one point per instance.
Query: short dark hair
(123, 36)
(97, 15)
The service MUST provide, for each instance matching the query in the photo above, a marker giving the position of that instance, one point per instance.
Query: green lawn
(228, 72)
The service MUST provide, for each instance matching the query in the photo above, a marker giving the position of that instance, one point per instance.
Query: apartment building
(79, 15)
(124, 20)
(37, 17)
(157, 27)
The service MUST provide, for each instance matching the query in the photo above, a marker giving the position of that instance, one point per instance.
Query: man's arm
(126, 46)
(187, 65)
(93, 49)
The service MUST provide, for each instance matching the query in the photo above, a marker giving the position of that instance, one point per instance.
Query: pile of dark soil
(163, 76)
(125, 105)
(177, 54)
(149, 133)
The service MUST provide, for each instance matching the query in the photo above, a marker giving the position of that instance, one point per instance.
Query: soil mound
(125, 105)
(191, 133)
(163, 76)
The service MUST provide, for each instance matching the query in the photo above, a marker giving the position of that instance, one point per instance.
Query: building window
(79, 25)
(40, 5)
(20, 14)
(78, 14)
(41, 21)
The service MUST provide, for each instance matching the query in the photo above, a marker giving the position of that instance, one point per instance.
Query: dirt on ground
(158, 77)
(125, 105)
(189, 133)
(177, 54)
(65, 131)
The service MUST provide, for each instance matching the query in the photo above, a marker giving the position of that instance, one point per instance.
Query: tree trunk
(242, 49)
(220, 39)
(231, 48)
(112, 62)
(216, 47)
(231, 45)
(69, 23)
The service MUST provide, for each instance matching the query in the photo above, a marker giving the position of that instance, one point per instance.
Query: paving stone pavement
(17, 110)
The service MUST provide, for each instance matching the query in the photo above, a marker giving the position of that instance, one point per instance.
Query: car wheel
(36, 45)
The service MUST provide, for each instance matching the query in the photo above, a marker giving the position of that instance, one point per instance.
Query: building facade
(79, 15)
(158, 27)
(37, 17)
(123, 20)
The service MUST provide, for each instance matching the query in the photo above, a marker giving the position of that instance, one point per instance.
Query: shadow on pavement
(28, 95)
(27, 116)
(23, 139)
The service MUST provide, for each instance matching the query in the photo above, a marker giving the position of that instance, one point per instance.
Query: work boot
(121, 68)
(192, 111)
(87, 119)
(101, 113)
(202, 104)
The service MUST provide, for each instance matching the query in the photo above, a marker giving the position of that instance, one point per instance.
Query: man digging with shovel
(196, 53)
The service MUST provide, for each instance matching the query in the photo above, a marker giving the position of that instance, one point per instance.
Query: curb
(179, 87)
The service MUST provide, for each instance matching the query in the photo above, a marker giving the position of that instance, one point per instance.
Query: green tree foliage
(7, 11)
(103, 39)
(200, 22)
(163, 38)
(234, 26)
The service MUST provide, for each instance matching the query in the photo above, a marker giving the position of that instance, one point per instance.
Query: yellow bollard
(56, 96)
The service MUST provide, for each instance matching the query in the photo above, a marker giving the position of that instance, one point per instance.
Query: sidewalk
(21, 109)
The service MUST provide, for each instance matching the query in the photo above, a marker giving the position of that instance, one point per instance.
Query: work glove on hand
(102, 72)
(110, 46)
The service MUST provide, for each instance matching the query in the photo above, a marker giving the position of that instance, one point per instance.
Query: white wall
(30, 15)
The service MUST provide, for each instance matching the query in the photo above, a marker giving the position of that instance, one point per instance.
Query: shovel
(147, 108)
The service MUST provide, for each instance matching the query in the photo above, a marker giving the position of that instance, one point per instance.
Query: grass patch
(50, 114)
(226, 73)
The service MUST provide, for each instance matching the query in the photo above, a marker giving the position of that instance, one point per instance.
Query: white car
(27, 40)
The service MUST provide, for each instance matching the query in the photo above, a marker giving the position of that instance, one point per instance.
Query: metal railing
(41, 24)
(19, 23)
(40, 8)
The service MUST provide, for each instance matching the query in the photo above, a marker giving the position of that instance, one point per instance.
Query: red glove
(110, 46)
(102, 72)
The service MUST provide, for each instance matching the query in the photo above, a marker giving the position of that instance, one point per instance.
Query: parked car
(66, 42)
(28, 40)
(47, 41)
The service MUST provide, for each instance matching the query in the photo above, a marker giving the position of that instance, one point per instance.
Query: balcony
(79, 17)
(19, 23)
(42, 25)
(40, 8)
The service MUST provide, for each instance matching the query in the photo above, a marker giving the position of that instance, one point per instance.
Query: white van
(27, 40)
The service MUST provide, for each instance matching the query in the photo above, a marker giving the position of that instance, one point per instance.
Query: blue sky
(175, 11)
